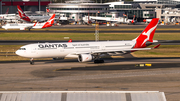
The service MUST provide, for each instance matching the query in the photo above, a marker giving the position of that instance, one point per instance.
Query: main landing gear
(98, 61)
(31, 61)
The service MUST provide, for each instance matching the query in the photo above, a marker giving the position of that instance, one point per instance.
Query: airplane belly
(51, 53)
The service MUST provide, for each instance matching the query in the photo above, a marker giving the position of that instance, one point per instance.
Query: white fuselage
(39, 17)
(9, 17)
(23, 26)
(117, 20)
(71, 50)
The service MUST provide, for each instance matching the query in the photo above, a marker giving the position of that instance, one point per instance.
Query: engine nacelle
(22, 28)
(85, 57)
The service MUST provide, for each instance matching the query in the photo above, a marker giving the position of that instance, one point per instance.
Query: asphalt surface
(124, 74)
(113, 75)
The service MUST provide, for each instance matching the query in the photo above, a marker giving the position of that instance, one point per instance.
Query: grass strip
(82, 36)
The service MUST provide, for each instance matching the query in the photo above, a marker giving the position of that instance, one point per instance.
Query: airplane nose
(17, 52)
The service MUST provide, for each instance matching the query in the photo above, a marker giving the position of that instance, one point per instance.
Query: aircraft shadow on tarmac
(86, 70)
(104, 66)
(124, 67)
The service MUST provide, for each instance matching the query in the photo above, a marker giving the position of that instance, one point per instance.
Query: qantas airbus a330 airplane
(88, 51)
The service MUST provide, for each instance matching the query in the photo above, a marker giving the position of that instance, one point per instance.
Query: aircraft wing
(124, 51)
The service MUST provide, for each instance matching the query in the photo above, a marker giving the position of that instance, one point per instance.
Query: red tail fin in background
(22, 15)
(70, 40)
(133, 19)
(7, 11)
(50, 22)
(147, 35)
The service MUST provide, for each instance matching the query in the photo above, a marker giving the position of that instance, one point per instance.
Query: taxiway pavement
(114, 75)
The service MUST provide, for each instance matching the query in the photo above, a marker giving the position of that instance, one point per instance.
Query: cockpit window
(22, 48)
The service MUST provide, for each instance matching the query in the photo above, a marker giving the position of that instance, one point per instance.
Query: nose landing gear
(31, 61)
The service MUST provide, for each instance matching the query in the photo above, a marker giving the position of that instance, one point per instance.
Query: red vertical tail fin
(7, 11)
(22, 15)
(147, 35)
(20, 11)
(70, 40)
(50, 22)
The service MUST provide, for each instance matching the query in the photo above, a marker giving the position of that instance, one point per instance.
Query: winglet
(156, 46)
(70, 40)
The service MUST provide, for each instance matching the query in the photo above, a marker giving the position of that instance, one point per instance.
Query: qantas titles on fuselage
(51, 45)
(59, 45)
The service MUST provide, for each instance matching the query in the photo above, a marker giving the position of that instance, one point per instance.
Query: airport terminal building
(142, 9)
(75, 10)
(78, 9)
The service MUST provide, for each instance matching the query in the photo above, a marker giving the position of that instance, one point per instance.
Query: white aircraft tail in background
(29, 26)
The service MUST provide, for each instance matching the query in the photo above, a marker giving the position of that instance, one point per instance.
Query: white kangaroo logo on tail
(148, 33)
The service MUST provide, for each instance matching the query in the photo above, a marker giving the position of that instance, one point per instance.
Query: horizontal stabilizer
(156, 46)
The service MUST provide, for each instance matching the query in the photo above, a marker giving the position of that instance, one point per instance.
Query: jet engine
(85, 57)
(22, 28)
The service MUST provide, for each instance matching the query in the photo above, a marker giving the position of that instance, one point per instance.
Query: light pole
(39, 1)
(97, 29)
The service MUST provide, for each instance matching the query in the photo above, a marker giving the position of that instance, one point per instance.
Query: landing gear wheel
(32, 62)
(98, 61)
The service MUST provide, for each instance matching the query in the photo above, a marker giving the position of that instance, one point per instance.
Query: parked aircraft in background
(88, 51)
(31, 18)
(147, 20)
(9, 17)
(29, 26)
